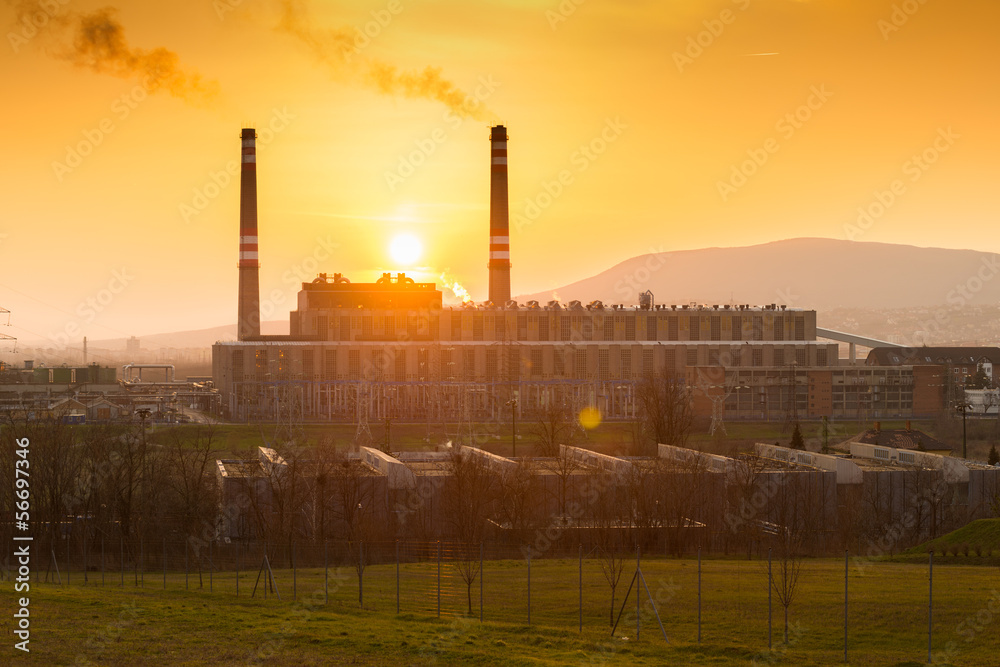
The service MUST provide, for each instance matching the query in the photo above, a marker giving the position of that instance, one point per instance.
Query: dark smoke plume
(336, 48)
(97, 42)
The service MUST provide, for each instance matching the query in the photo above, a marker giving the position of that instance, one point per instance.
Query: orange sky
(671, 122)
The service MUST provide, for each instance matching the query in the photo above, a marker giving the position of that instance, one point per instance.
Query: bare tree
(518, 498)
(468, 500)
(554, 425)
(790, 519)
(665, 411)
(609, 533)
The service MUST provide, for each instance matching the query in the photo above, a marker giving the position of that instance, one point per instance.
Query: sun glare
(405, 249)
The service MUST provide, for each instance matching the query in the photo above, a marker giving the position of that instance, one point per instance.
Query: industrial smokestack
(248, 322)
(499, 264)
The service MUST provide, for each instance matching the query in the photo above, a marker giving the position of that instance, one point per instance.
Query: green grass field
(112, 624)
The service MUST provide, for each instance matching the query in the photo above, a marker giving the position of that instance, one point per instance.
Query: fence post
(102, 561)
(846, 554)
(581, 588)
(930, 605)
(122, 544)
(699, 595)
(769, 599)
(482, 575)
(529, 585)
(638, 614)
(85, 576)
(295, 576)
(361, 574)
(142, 565)
(326, 574)
(211, 566)
(439, 579)
(69, 561)
(164, 563)
(239, 555)
(397, 577)
(185, 565)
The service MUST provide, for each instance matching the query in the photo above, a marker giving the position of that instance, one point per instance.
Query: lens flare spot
(590, 418)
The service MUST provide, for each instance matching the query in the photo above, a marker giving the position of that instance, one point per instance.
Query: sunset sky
(117, 193)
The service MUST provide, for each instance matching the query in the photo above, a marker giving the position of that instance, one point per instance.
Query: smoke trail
(456, 288)
(98, 43)
(336, 48)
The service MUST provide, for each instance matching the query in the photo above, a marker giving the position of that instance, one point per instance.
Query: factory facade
(391, 349)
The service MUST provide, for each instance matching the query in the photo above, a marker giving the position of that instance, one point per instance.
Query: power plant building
(391, 349)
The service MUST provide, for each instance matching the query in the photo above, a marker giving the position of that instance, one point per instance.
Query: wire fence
(565, 587)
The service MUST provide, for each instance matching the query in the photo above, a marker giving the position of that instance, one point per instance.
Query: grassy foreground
(114, 625)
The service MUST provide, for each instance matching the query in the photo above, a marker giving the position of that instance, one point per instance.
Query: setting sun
(405, 249)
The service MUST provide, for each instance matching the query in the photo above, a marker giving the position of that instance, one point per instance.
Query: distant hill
(195, 338)
(809, 273)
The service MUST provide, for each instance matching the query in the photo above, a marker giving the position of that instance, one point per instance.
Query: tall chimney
(499, 264)
(248, 322)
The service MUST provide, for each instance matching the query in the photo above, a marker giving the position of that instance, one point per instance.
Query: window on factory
(580, 364)
(558, 363)
(491, 364)
(651, 327)
(447, 365)
(735, 356)
(411, 327)
(758, 357)
(672, 327)
(716, 327)
(377, 364)
(779, 327)
(630, 328)
(565, 327)
(609, 328)
(758, 328)
(587, 327)
(737, 327)
(821, 356)
(366, 326)
(322, 327)
(500, 327)
(468, 363)
(354, 364)
(779, 357)
(477, 326)
(543, 327)
(330, 365)
(456, 326)
(694, 324)
(800, 327)
(670, 360)
(522, 326)
(536, 362)
(400, 365)
(345, 327)
(603, 372)
(390, 325)
(513, 370)
(800, 356)
(626, 363)
(647, 361)
(261, 363)
(238, 372)
(423, 364)
(307, 364)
